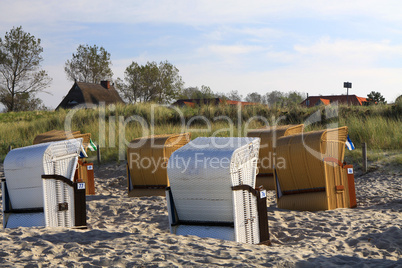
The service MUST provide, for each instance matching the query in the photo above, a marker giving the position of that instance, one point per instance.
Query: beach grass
(113, 127)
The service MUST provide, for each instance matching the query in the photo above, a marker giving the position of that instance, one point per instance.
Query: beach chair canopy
(203, 198)
(147, 159)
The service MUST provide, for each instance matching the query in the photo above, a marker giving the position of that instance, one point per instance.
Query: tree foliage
(190, 93)
(24, 102)
(254, 97)
(151, 82)
(195, 93)
(399, 99)
(234, 95)
(274, 98)
(279, 99)
(375, 98)
(89, 64)
(293, 98)
(20, 74)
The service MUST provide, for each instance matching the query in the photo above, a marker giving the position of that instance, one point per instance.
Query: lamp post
(347, 85)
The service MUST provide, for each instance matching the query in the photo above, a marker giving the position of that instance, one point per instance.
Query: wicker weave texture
(56, 192)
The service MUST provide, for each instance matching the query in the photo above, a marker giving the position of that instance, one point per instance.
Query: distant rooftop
(210, 101)
(341, 99)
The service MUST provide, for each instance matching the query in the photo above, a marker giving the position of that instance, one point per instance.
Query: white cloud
(202, 12)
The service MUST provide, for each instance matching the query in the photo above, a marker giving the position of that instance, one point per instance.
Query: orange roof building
(210, 101)
(312, 101)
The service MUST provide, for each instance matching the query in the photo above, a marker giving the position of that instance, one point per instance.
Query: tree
(190, 93)
(293, 98)
(151, 82)
(89, 64)
(149, 78)
(131, 89)
(20, 73)
(254, 97)
(234, 95)
(195, 93)
(24, 102)
(375, 98)
(206, 92)
(170, 82)
(274, 98)
(399, 99)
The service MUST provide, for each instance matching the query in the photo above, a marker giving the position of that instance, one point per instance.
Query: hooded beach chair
(267, 156)
(38, 189)
(212, 190)
(85, 171)
(312, 175)
(147, 159)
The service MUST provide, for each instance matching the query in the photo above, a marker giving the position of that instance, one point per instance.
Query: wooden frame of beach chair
(85, 171)
(267, 156)
(314, 176)
(34, 194)
(147, 159)
(212, 191)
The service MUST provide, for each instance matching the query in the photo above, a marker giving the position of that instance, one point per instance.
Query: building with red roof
(210, 101)
(312, 101)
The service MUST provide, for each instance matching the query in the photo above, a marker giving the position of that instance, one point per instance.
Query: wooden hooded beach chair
(313, 176)
(58, 135)
(147, 159)
(267, 156)
(212, 191)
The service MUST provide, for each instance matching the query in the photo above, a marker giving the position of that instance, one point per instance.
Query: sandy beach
(134, 232)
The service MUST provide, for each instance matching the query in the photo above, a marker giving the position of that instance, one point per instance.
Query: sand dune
(133, 232)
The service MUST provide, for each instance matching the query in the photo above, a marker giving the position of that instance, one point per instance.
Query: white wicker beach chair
(38, 189)
(212, 190)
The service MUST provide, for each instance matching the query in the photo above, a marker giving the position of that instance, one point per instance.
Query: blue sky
(250, 46)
